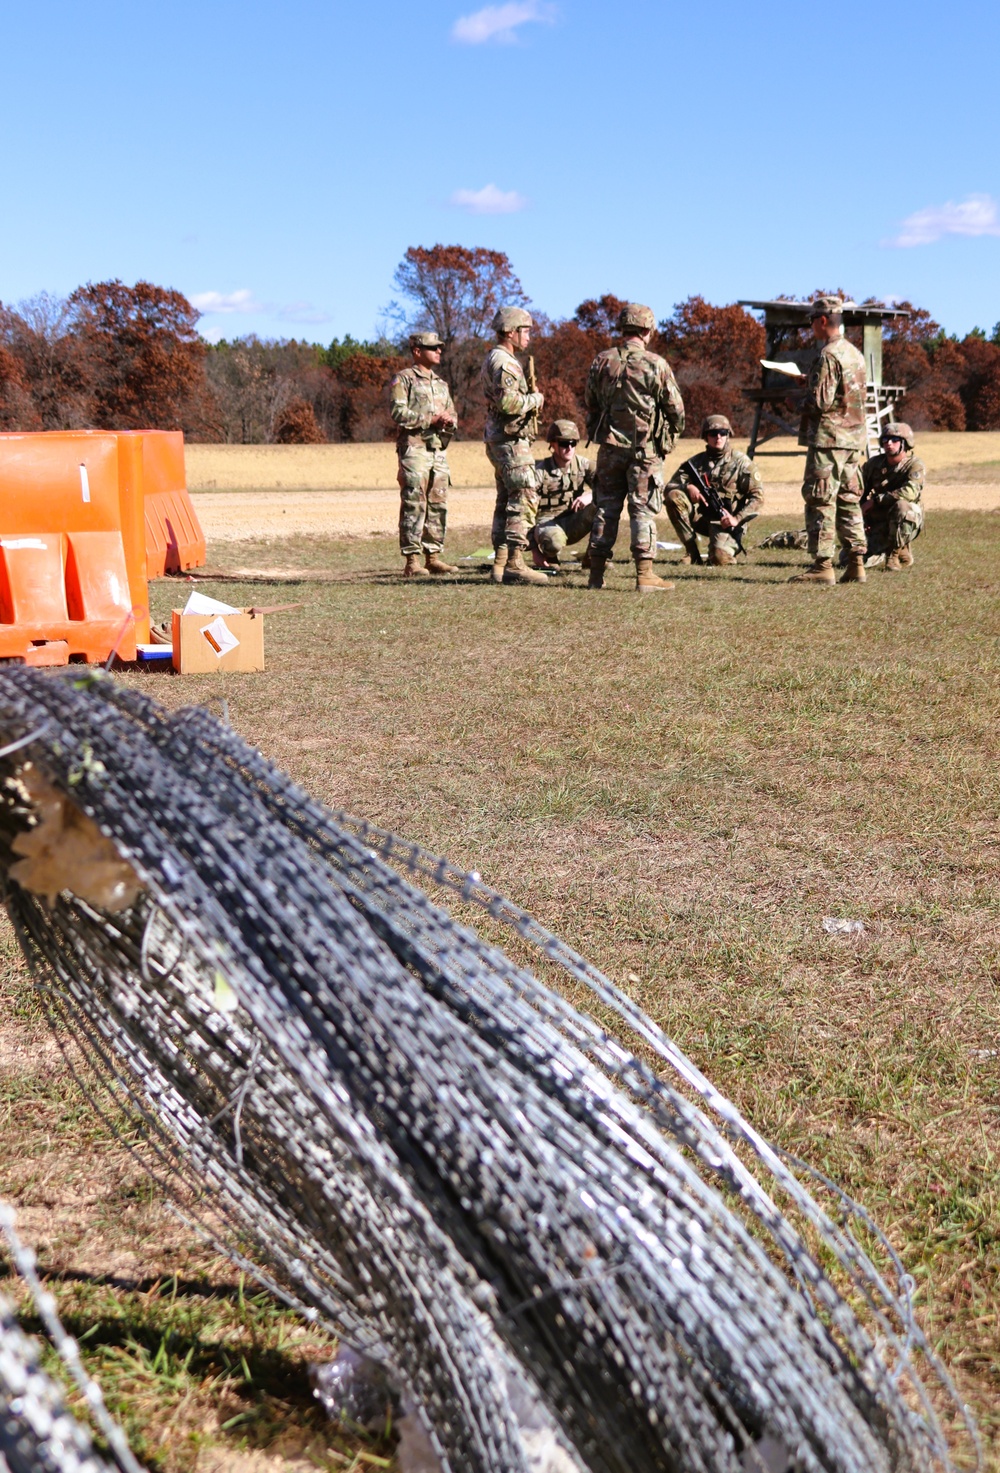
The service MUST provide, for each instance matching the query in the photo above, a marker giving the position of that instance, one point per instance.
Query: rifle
(715, 506)
(531, 423)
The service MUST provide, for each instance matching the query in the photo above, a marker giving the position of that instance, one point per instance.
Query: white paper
(669, 546)
(84, 482)
(792, 369)
(13, 544)
(219, 636)
(200, 603)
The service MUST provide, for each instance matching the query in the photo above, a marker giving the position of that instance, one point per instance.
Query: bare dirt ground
(244, 492)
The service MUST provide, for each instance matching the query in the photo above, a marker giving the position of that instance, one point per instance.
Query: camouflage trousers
(891, 523)
(832, 494)
(554, 533)
(424, 479)
(514, 469)
(688, 517)
(620, 478)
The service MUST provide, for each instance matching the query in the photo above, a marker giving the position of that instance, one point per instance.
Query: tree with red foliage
(296, 425)
(565, 350)
(144, 359)
(715, 353)
(455, 291)
(362, 380)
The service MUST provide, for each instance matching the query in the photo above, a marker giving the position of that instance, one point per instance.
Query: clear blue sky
(279, 159)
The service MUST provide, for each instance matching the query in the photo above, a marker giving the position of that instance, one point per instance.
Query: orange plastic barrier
(72, 546)
(174, 539)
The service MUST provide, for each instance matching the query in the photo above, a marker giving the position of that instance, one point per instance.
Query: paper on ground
(200, 603)
(669, 546)
(792, 369)
(220, 636)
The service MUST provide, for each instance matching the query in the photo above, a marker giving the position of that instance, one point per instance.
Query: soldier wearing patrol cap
(511, 427)
(635, 413)
(735, 479)
(834, 429)
(892, 509)
(563, 507)
(424, 414)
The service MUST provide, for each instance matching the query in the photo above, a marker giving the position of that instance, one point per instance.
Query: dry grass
(682, 786)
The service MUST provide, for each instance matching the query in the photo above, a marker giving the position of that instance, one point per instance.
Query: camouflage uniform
(835, 431)
(737, 480)
(895, 515)
(419, 396)
(509, 433)
(552, 522)
(635, 412)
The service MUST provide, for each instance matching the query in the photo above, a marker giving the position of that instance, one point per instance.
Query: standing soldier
(635, 413)
(423, 410)
(511, 426)
(733, 477)
(834, 429)
(564, 495)
(893, 484)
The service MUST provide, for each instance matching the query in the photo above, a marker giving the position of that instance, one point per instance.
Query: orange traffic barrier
(72, 547)
(174, 539)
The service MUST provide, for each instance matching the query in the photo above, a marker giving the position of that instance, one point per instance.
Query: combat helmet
(509, 319)
(715, 422)
(425, 340)
(634, 314)
(897, 429)
(562, 429)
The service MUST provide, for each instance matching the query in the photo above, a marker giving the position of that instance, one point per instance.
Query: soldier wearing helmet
(563, 506)
(834, 429)
(892, 509)
(511, 427)
(735, 480)
(635, 413)
(424, 415)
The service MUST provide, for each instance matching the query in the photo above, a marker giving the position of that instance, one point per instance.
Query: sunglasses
(567, 444)
(712, 434)
(891, 440)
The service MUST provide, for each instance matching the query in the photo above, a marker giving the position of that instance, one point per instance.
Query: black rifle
(716, 507)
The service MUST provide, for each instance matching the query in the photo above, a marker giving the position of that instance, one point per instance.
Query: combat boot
(905, 556)
(412, 568)
(718, 557)
(597, 566)
(646, 580)
(499, 563)
(435, 564)
(893, 563)
(692, 555)
(820, 572)
(855, 570)
(517, 570)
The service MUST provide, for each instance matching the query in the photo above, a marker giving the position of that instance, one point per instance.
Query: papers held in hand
(791, 369)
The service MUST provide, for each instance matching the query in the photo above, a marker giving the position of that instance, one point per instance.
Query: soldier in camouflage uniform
(423, 411)
(563, 508)
(893, 486)
(833, 427)
(735, 478)
(634, 413)
(511, 427)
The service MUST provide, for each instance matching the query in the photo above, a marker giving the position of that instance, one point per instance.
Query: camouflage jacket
(834, 415)
(905, 482)
(633, 401)
(417, 397)
(556, 488)
(734, 475)
(511, 410)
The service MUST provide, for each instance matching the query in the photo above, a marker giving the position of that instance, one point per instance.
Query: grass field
(682, 786)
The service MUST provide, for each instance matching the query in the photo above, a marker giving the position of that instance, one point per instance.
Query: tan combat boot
(718, 557)
(646, 580)
(855, 570)
(892, 562)
(412, 568)
(517, 570)
(597, 566)
(820, 572)
(692, 554)
(905, 556)
(499, 563)
(435, 564)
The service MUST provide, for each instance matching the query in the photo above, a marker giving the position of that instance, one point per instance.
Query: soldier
(564, 495)
(893, 485)
(736, 480)
(422, 407)
(833, 427)
(635, 413)
(511, 426)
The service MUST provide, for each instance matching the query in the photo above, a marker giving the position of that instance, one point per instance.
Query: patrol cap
(826, 307)
(562, 429)
(425, 340)
(509, 319)
(896, 429)
(715, 422)
(634, 314)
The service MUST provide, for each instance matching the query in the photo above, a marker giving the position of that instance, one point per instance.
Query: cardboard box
(206, 643)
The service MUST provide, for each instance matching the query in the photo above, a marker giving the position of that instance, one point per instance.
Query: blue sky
(274, 162)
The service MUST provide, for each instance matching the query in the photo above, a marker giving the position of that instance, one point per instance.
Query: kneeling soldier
(564, 495)
(719, 472)
(893, 485)
(422, 408)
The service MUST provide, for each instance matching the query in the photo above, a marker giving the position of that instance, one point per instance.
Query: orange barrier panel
(174, 539)
(72, 550)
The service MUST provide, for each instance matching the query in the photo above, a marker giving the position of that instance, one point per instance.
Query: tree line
(111, 356)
